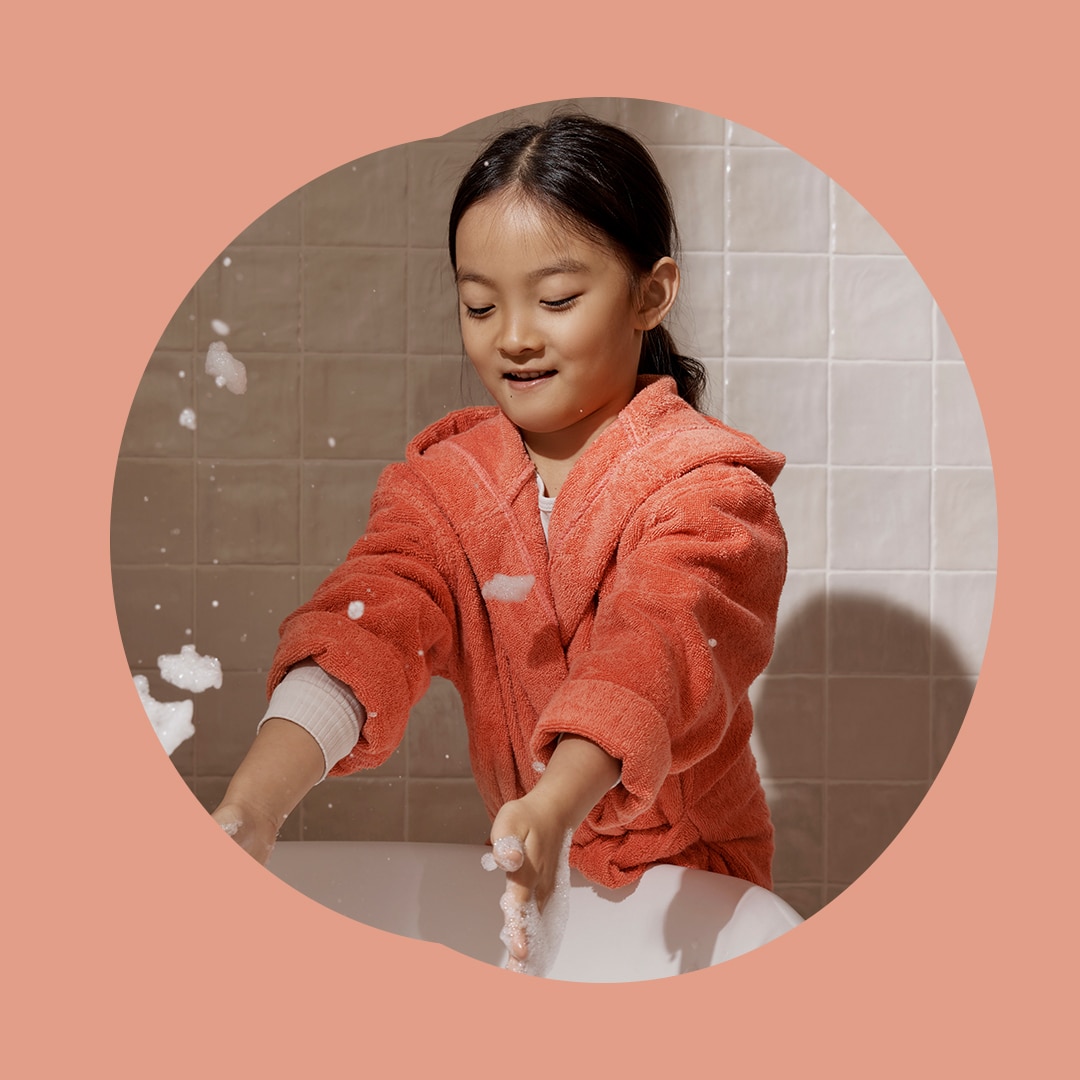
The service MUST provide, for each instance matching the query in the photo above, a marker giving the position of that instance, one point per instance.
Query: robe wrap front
(650, 610)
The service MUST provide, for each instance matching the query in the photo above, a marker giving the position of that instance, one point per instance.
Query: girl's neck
(555, 455)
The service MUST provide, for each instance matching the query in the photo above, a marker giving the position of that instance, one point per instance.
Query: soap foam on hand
(543, 932)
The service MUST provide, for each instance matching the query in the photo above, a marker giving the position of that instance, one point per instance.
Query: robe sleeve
(683, 625)
(383, 622)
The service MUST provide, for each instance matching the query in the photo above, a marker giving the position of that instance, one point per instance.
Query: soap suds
(356, 609)
(171, 720)
(509, 589)
(190, 671)
(187, 419)
(226, 369)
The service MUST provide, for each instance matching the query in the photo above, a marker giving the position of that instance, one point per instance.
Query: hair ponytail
(602, 182)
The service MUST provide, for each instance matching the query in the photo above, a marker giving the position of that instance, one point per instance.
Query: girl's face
(550, 321)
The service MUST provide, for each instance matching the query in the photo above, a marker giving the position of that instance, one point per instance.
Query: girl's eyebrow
(563, 266)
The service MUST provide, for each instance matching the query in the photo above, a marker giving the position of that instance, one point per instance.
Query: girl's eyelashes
(552, 305)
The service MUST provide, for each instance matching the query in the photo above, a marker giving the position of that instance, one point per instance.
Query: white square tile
(855, 230)
(777, 305)
(698, 321)
(739, 135)
(965, 519)
(879, 519)
(777, 201)
(660, 124)
(881, 310)
(880, 413)
(695, 177)
(945, 347)
(783, 403)
(800, 626)
(962, 604)
(959, 434)
(800, 502)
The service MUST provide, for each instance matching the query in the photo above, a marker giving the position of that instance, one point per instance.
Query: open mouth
(527, 376)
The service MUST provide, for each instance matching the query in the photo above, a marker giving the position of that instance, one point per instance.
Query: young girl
(593, 563)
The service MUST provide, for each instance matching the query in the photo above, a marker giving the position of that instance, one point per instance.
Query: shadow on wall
(851, 735)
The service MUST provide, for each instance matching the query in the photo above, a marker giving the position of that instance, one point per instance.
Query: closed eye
(560, 304)
(478, 312)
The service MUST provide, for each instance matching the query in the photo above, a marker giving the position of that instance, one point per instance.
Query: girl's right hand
(254, 832)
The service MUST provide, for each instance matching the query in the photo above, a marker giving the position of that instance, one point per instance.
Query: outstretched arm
(282, 766)
(576, 778)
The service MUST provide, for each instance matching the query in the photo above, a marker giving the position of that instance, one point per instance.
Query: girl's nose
(518, 334)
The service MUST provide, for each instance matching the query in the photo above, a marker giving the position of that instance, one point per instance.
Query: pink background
(948, 957)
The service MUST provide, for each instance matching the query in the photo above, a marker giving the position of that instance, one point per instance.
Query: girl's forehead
(508, 224)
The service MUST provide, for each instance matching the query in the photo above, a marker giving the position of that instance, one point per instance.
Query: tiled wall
(820, 339)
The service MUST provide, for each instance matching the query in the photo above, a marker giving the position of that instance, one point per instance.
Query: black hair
(600, 181)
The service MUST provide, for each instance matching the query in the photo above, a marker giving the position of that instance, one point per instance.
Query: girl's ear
(656, 293)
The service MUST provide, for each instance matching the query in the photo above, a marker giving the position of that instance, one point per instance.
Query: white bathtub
(672, 921)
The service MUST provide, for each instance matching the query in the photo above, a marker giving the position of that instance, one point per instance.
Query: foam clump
(190, 671)
(226, 369)
(543, 933)
(356, 609)
(509, 589)
(187, 419)
(171, 720)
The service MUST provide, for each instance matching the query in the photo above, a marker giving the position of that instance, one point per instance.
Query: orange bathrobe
(651, 610)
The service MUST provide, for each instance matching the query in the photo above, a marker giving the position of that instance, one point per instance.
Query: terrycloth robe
(652, 609)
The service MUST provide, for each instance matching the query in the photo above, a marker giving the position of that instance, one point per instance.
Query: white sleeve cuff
(325, 707)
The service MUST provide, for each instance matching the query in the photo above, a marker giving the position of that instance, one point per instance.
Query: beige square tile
(238, 610)
(153, 426)
(446, 811)
(248, 512)
(879, 728)
(698, 323)
(879, 624)
(789, 726)
(965, 519)
(354, 407)
(311, 577)
(438, 385)
(263, 422)
(354, 300)
(959, 434)
(154, 609)
(354, 808)
(798, 817)
(433, 304)
(226, 721)
(800, 627)
(863, 819)
(695, 177)
(153, 519)
(280, 225)
(784, 403)
(335, 500)
(179, 332)
(950, 699)
(881, 310)
(962, 605)
(800, 501)
(777, 305)
(437, 736)
(879, 519)
(362, 203)
(435, 168)
(855, 231)
(777, 201)
(257, 296)
(881, 413)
